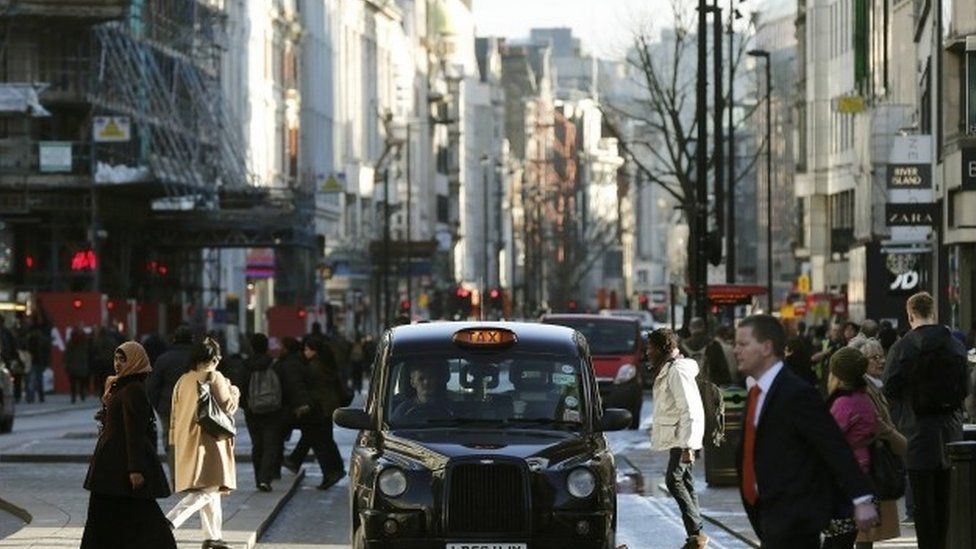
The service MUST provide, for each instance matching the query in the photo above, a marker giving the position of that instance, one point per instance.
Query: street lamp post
(763, 54)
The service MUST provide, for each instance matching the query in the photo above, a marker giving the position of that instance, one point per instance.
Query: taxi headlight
(626, 373)
(392, 482)
(581, 483)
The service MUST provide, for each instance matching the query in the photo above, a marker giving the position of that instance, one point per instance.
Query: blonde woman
(204, 466)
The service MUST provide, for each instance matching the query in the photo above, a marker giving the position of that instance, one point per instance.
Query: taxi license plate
(486, 545)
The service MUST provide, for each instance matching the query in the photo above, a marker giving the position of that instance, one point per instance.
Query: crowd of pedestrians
(297, 389)
(841, 422)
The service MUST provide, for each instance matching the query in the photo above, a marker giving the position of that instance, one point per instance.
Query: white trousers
(207, 501)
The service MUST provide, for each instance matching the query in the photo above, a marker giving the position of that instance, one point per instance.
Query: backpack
(938, 380)
(264, 392)
(714, 404)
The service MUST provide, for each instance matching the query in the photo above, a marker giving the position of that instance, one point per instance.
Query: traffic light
(405, 306)
(462, 302)
(644, 301)
(573, 305)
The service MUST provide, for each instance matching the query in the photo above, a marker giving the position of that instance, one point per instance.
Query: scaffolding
(161, 68)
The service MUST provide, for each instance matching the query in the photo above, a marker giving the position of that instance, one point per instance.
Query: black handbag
(210, 416)
(887, 472)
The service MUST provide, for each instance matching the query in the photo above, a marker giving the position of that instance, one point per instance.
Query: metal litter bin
(720, 459)
(962, 494)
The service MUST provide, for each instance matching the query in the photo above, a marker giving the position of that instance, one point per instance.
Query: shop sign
(905, 272)
(54, 156)
(969, 169)
(850, 104)
(910, 176)
(911, 214)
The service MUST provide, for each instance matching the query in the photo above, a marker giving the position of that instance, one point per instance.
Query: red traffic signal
(405, 305)
(495, 293)
(573, 305)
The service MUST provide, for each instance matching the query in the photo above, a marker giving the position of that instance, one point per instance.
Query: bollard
(962, 494)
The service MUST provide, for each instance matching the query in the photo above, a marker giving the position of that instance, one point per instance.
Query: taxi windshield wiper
(460, 421)
(541, 421)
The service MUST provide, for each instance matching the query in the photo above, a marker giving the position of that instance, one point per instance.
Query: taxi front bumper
(557, 531)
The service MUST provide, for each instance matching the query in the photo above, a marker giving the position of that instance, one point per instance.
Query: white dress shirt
(765, 381)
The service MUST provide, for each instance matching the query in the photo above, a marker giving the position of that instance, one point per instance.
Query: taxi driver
(429, 381)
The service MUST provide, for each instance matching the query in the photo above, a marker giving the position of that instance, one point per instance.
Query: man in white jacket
(679, 426)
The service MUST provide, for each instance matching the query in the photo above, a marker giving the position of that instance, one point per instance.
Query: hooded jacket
(679, 416)
(927, 434)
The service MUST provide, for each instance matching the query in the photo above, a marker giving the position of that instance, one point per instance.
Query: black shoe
(330, 480)
(215, 544)
(264, 487)
(291, 465)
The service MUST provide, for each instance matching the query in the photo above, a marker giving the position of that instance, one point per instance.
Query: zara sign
(911, 214)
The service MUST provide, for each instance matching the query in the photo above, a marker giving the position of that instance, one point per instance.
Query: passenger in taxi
(429, 383)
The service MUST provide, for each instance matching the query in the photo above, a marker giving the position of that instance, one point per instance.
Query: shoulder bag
(887, 471)
(210, 416)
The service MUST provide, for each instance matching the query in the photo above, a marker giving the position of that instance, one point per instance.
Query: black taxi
(482, 436)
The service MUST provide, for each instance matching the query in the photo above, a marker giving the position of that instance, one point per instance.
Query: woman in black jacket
(125, 476)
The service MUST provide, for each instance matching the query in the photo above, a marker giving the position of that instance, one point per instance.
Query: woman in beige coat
(886, 431)
(204, 466)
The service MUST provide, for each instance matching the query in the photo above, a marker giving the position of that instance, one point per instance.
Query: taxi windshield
(490, 390)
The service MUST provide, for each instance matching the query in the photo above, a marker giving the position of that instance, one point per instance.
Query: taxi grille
(487, 498)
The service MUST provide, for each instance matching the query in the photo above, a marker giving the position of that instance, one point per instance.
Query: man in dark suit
(796, 469)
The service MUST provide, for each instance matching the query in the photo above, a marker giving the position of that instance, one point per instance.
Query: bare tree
(664, 111)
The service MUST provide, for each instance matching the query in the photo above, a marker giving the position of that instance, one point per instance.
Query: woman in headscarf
(204, 465)
(125, 476)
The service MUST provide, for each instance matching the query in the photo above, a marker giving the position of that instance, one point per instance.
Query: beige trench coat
(201, 461)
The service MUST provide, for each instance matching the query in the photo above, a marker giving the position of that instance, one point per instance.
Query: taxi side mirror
(615, 419)
(353, 418)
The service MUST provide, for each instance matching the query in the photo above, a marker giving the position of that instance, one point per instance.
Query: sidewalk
(53, 404)
(57, 507)
(722, 506)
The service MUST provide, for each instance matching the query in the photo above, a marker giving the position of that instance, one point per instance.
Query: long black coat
(315, 384)
(802, 462)
(127, 444)
(927, 434)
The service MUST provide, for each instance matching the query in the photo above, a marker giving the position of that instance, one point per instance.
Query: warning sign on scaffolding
(332, 185)
(111, 129)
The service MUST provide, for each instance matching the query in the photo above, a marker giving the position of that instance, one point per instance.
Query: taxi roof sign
(484, 337)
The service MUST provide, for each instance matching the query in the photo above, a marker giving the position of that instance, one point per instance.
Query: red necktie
(749, 448)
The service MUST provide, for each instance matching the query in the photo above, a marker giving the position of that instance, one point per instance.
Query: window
(293, 152)
(443, 209)
(925, 102)
(971, 92)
